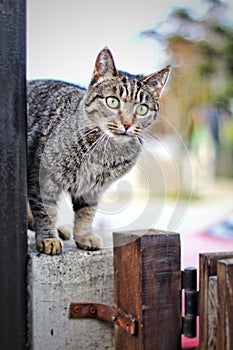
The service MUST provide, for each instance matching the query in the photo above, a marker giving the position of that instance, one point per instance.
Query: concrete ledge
(55, 282)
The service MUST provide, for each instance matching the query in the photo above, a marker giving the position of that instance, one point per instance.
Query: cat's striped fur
(82, 140)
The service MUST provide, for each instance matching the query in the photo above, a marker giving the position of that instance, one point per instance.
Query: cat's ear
(158, 80)
(104, 66)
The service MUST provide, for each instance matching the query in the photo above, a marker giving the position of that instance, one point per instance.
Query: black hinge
(191, 302)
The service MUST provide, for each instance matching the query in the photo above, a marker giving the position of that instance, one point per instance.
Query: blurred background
(184, 179)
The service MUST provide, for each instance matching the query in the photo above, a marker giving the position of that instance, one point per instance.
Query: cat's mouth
(124, 129)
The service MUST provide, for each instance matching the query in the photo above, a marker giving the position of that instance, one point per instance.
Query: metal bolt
(92, 310)
(76, 309)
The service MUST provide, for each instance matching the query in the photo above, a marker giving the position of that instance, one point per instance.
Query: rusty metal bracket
(104, 313)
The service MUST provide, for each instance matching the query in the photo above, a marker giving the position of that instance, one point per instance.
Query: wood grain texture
(213, 313)
(148, 285)
(207, 267)
(225, 295)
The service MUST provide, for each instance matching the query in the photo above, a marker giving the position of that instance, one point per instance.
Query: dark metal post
(13, 238)
(191, 297)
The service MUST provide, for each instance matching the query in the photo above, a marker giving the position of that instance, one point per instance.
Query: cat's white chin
(120, 138)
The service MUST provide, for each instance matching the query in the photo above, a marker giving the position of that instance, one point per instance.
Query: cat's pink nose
(126, 126)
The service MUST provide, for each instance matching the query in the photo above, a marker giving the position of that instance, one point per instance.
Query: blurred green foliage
(200, 99)
(210, 38)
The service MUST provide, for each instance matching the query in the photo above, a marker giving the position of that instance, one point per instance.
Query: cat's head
(121, 104)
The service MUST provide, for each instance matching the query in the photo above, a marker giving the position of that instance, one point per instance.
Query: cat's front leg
(44, 210)
(84, 214)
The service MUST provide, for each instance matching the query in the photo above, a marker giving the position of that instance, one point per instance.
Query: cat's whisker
(87, 126)
(120, 129)
(112, 126)
(139, 140)
(74, 125)
(108, 138)
(93, 146)
(149, 136)
(88, 132)
(90, 126)
(101, 140)
(137, 131)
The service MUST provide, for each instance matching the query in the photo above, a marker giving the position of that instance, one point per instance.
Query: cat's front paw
(90, 242)
(50, 246)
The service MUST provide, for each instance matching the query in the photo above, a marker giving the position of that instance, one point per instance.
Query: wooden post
(225, 299)
(207, 267)
(148, 286)
(13, 256)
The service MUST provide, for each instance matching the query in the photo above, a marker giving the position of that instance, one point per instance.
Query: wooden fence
(147, 289)
(216, 301)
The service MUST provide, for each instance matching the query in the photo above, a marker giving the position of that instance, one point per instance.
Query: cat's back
(46, 96)
(49, 103)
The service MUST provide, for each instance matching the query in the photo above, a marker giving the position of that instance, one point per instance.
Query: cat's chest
(104, 167)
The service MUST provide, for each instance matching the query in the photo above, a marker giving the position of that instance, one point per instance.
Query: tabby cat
(81, 140)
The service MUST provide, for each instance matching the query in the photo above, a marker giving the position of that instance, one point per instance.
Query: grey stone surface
(56, 281)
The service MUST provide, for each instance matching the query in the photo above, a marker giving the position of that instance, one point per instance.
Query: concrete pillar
(55, 282)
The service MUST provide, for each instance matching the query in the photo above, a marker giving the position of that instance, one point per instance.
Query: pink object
(191, 246)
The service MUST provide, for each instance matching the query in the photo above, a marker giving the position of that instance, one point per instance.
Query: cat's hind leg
(63, 231)
(84, 214)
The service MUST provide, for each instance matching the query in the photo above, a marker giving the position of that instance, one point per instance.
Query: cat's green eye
(142, 110)
(113, 102)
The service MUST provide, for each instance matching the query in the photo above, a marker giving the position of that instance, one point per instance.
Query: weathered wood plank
(148, 285)
(207, 268)
(213, 314)
(225, 296)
